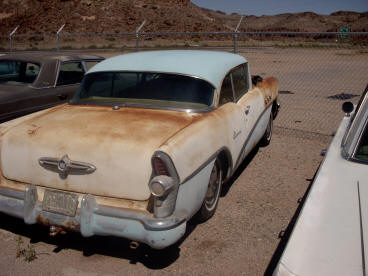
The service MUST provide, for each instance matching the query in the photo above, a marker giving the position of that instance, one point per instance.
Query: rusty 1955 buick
(143, 146)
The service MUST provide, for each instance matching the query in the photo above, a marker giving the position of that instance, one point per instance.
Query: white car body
(330, 236)
(103, 154)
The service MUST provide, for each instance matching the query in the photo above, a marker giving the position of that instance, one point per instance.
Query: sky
(271, 7)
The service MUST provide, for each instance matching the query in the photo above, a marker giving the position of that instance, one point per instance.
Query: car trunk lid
(119, 143)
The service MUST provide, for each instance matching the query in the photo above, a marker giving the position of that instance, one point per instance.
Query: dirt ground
(256, 205)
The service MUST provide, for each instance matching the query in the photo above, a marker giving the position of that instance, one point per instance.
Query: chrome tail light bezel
(164, 204)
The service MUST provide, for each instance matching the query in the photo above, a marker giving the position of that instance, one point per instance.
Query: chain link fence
(317, 71)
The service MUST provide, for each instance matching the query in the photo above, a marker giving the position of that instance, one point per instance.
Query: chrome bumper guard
(94, 219)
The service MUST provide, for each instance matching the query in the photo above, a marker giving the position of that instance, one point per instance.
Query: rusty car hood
(119, 143)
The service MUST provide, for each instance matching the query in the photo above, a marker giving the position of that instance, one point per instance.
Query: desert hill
(113, 16)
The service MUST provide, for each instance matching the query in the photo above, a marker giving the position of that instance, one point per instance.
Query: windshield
(18, 72)
(149, 89)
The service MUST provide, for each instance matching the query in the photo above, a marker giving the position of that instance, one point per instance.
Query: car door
(236, 116)
(251, 102)
(18, 96)
(246, 107)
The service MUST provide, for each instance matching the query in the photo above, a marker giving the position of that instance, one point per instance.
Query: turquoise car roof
(208, 65)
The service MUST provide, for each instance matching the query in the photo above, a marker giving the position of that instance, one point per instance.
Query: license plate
(60, 202)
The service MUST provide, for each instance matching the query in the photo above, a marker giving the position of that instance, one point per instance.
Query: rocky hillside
(112, 16)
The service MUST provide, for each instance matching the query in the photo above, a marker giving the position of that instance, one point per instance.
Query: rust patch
(65, 224)
(70, 225)
(12, 184)
(135, 124)
(44, 221)
(34, 130)
(269, 88)
(122, 203)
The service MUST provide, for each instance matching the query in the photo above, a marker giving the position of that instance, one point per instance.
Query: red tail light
(160, 167)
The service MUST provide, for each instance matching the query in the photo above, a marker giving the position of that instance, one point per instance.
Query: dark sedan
(33, 81)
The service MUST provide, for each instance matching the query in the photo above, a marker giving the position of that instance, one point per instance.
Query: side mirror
(256, 79)
(347, 107)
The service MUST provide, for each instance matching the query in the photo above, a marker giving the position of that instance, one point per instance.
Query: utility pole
(57, 37)
(11, 38)
(236, 35)
(137, 35)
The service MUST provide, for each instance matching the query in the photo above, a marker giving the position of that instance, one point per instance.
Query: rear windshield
(18, 72)
(148, 89)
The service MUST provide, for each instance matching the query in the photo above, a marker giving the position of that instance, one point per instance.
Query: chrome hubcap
(213, 188)
(269, 129)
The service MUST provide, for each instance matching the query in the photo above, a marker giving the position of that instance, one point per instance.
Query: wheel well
(226, 164)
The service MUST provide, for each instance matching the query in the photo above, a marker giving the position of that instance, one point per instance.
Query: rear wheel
(212, 196)
(266, 139)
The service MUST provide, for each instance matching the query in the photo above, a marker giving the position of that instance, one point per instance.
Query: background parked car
(330, 236)
(38, 80)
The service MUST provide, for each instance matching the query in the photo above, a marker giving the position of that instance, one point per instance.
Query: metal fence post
(57, 37)
(236, 35)
(137, 35)
(11, 38)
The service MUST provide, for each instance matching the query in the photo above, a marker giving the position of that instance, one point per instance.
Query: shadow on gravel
(112, 246)
(285, 235)
(227, 185)
(108, 246)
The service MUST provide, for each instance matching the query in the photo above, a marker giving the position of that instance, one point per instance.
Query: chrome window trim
(84, 66)
(361, 134)
(355, 130)
(232, 86)
(57, 72)
(188, 110)
(156, 72)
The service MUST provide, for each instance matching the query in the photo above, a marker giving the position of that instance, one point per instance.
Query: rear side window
(235, 84)
(18, 72)
(226, 94)
(70, 73)
(240, 81)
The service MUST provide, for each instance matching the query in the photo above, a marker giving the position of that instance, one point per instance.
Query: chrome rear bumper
(94, 219)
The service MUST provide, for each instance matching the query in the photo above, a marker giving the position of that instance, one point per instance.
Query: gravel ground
(256, 205)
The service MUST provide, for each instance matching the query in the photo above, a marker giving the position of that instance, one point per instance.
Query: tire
(266, 138)
(212, 196)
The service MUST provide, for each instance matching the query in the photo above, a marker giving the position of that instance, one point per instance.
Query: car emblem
(65, 166)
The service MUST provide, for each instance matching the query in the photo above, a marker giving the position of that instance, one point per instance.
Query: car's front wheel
(212, 196)
(266, 139)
